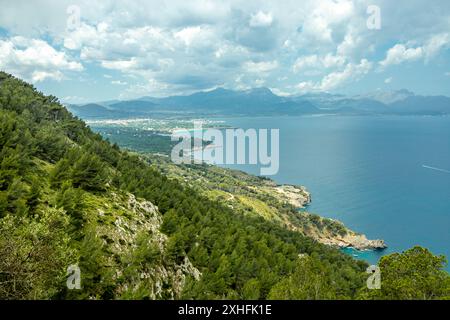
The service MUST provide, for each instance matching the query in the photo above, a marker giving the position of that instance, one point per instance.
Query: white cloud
(351, 43)
(351, 72)
(388, 80)
(400, 53)
(185, 46)
(279, 92)
(326, 14)
(261, 19)
(155, 87)
(123, 65)
(230, 52)
(260, 67)
(35, 59)
(403, 53)
(80, 36)
(436, 44)
(119, 83)
(102, 42)
(318, 63)
(307, 86)
(331, 61)
(306, 62)
(259, 82)
(191, 34)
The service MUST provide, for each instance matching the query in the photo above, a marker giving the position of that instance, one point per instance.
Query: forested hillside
(68, 197)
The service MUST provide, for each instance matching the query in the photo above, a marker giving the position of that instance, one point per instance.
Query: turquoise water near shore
(385, 176)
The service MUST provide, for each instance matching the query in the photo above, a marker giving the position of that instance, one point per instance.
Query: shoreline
(300, 198)
(351, 239)
(295, 198)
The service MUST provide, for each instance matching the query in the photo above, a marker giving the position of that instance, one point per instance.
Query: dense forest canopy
(67, 196)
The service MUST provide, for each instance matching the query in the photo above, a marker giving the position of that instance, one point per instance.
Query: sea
(385, 176)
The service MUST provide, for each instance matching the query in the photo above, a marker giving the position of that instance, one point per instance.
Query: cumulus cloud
(400, 53)
(403, 53)
(35, 59)
(175, 46)
(197, 35)
(325, 15)
(315, 62)
(119, 83)
(333, 80)
(260, 67)
(261, 19)
(350, 72)
(436, 44)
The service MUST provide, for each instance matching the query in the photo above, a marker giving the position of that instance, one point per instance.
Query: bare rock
(297, 196)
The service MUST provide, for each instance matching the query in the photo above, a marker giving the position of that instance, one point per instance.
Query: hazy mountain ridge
(388, 97)
(262, 101)
(393, 102)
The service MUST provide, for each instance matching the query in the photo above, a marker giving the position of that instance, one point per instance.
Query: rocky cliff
(129, 224)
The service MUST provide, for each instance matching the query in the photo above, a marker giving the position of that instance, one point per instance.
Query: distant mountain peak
(387, 97)
(219, 90)
(405, 91)
(260, 90)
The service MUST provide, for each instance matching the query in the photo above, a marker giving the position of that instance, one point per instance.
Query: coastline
(285, 204)
(300, 197)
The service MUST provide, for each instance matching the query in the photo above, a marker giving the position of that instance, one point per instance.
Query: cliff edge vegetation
(260, 196)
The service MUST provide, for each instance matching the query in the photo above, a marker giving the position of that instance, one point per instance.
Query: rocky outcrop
(335, 233)
(353, 240)
(325, 233)
(123, 221)
(297, 196)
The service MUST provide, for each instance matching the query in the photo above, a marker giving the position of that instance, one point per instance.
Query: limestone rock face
(356, 241)
(297, 196)
(121, 229)
(334, 233)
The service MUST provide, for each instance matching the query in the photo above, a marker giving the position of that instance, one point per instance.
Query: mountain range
(262, 101)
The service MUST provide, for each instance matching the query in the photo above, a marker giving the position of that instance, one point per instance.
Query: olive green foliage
(34, 255)
(309, 281)
(415, 274)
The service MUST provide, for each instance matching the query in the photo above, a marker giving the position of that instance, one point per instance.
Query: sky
(89, 50)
